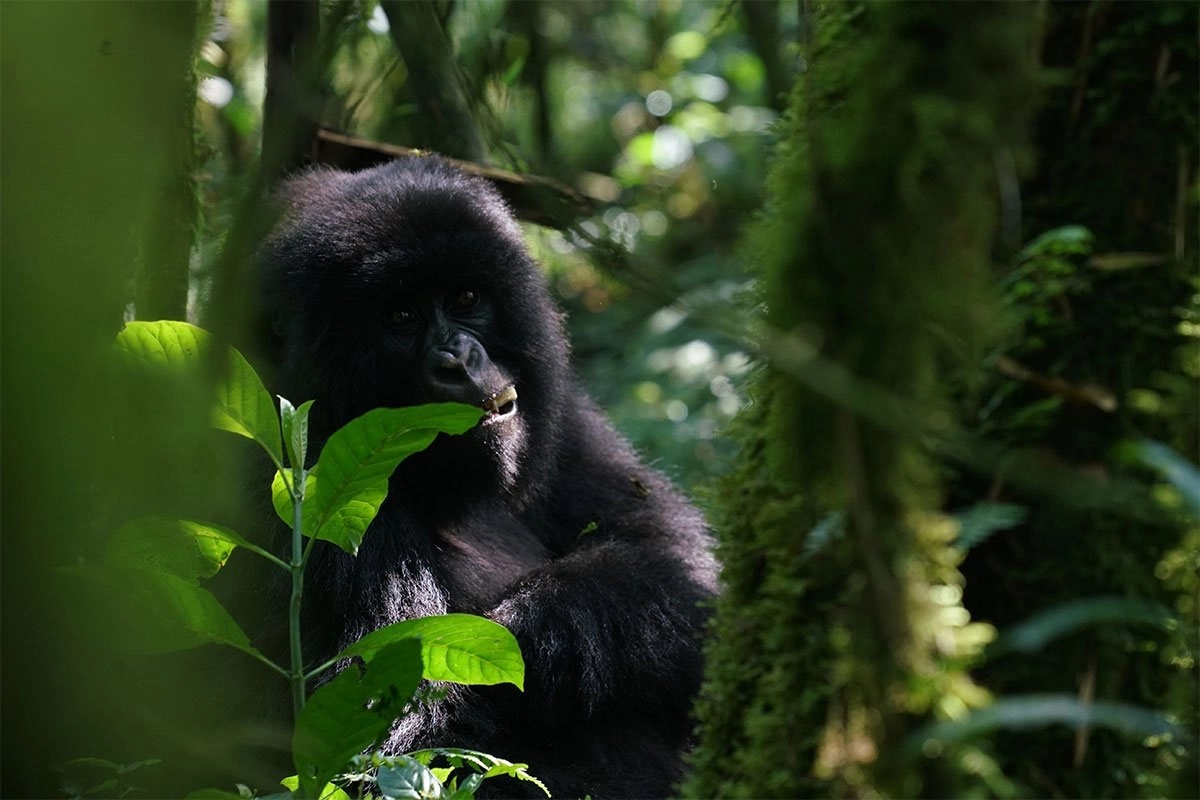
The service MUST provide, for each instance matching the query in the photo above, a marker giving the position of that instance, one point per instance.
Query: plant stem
(297, 569)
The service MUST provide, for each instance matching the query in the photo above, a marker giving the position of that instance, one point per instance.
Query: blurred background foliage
(1070, 513)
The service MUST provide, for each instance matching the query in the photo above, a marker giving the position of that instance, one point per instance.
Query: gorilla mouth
(501, 405)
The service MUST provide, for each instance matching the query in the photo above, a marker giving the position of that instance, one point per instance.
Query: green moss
(828, 644)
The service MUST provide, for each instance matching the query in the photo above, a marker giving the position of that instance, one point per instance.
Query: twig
(533, 198)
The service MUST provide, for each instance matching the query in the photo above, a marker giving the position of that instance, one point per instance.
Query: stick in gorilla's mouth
(501, 405)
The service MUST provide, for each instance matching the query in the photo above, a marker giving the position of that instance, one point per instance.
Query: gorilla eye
(463, 299)
(400, 318)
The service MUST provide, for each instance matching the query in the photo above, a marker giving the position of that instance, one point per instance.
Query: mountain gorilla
(409, 283)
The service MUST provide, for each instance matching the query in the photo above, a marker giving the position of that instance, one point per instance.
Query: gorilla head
(409, 284)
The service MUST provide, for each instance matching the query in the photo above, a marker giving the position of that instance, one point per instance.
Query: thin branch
(534, 199)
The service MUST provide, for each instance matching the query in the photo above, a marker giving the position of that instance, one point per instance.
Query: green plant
(149, 581)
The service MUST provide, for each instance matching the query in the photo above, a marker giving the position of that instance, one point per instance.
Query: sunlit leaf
(357, 461)
(352, 711)
(243, 405)
(331, 791)
(295, 430)
(461, 648)
(185, 549)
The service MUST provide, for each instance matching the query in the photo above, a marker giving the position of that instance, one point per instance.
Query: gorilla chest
(482, 557)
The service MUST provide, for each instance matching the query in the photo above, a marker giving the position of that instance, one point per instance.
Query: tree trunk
(840, 629)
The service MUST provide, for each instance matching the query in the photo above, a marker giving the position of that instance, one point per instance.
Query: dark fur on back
(547, 522)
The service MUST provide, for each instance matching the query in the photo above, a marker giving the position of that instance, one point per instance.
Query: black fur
(545, 521)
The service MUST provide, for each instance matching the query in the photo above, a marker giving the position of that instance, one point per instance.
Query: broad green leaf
(1038, 710)
(295, 430)
(981, 520)
(331, 791)
(352, 711)
(143, 611)
(461, 648)
(281, 498)
(243, 405)
(1036, 632)
(245, 408)
(357, 461)
(185, 549)
(409, 780)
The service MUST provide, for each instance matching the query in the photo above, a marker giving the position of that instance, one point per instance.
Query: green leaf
(243, 405)
(331, 791)
(460, 648)
(487, 766)
(981, 520)
(357, 461)
(1177, 470)
(408, 780)
(281, 498)
(143, 611)
(1036, 632)
(1038, 710)
(295, 430)
(514, 71)
(245, 408)
(1069, 239)
(351, 711)
(185, 549)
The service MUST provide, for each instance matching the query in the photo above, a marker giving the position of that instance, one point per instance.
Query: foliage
(864, 296)
(1077, 552)
(146, 596)
(1098, 372)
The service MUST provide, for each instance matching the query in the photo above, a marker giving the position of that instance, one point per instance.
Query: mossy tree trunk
(841, 627)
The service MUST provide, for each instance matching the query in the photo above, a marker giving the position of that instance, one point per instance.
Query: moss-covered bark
(841, 626)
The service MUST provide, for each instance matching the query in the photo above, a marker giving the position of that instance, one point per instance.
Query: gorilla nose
(448, 362)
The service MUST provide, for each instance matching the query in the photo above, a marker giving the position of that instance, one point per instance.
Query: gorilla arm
(613, 624)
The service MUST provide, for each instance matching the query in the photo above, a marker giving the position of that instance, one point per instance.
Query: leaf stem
(255, 654)
(318, 670)
(269, 556)
(297, 569)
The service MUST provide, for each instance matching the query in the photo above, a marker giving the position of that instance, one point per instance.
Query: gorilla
(410, 283)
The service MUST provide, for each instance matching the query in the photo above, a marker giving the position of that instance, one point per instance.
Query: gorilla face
(405, 295)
